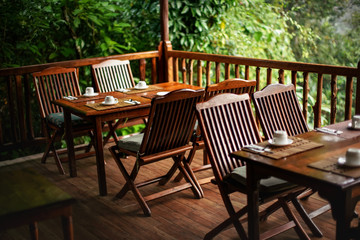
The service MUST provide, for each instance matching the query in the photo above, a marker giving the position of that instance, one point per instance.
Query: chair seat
(131, 143)
(269, 185)
(57, 119)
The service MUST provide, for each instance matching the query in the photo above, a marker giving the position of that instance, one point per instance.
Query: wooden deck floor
(179, 216)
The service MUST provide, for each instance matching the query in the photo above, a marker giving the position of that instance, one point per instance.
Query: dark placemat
(150, 88)
(331, 165)
(299, 145)
(99, 106)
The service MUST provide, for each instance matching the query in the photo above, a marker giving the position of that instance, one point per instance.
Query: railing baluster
(191, 72)
(13, 119)
(199, 73)
(227, 71)
(317, 107)
(176, 69)
(268, 76)
(247, 72)
(357, 98)
(294, 78)
(28, 112)
(306, 90)
(142, 69)
(258, 79)
(153, 71)
(348, 98)
(237, 72)
(183, 70)
(281, 76)
(20, 107)
(208, 73)
(217, 71)
(333, 98)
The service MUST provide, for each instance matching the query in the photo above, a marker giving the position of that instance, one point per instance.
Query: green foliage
(56, 30)
(191, 23)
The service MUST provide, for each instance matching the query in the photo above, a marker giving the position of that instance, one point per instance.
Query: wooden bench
(28, 197)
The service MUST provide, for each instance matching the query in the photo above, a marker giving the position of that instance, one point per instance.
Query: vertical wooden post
(357, 97)
(165, 62)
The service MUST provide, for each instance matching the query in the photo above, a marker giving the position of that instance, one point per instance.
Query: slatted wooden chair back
(112, 74)
(227, 124)
(171, 121)
(54, 83)
(278, 108)
(236, 85)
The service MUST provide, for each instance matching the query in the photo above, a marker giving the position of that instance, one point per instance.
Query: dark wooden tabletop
(79, 106)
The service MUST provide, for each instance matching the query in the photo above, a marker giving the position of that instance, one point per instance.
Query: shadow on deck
(178, 216)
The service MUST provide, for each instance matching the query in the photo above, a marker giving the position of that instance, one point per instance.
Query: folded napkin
(329, 131)
(131, 101)
(70, 98)
(122, 90)
(258, 149)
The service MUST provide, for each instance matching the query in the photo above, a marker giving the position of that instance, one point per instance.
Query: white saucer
(271, 141)
(90, 95)
(122, 90)
(136, 87)
(342, 162)
(351, 127)
(109, 104)
(161, 93)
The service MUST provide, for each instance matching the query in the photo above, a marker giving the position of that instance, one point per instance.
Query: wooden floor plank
(178, 216)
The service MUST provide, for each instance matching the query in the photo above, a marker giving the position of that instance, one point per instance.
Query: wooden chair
(109, 76)
(51, 84)
(278, 108)
(167, 135)
(236, 86)
(228, 124)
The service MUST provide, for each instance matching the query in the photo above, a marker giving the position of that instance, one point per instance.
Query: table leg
(70, 143)
(34, 231)
(342, 207)
(68, 229)
(253, 202)
(99, 149)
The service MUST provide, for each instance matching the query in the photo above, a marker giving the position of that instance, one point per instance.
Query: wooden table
(27, 197)
(79, 108)
(341, 191)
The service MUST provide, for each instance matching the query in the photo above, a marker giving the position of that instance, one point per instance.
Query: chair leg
(197, 192)
(314, 229)
(169, 174)
(234, 219)
(112, 132)
(193, 177)
(130, 182)
(91, 143)
(290, 215)
(270, 210)
(51, 147)
(225, 224)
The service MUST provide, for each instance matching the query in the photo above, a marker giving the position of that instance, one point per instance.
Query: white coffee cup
(280, 137)
(356, 121)
(352, 157)
(141, 84)
(89, 90)
(110, 100)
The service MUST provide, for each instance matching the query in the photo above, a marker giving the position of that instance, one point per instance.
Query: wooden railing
(19, 115)
(203, 69)
(19, 121)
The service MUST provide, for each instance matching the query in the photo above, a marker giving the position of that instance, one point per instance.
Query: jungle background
(314, 31)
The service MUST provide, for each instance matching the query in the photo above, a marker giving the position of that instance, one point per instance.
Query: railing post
(165, 63)
(357, 103)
